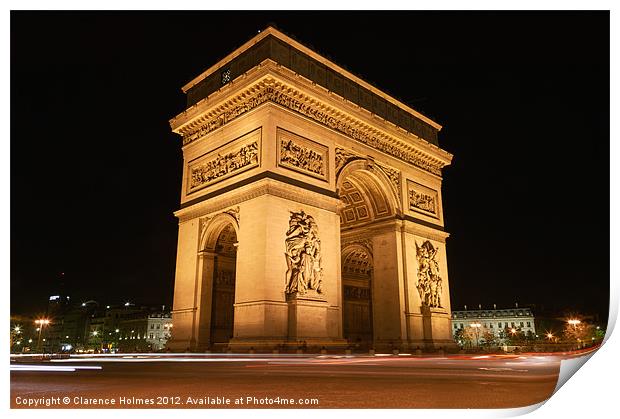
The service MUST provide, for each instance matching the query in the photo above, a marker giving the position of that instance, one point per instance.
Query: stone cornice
(270, 82)
(254, 190)
(426, 232)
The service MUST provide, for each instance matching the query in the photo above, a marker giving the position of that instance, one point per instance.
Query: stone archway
(368, 201)
(218, 266)
(357, 283)
(223, 288)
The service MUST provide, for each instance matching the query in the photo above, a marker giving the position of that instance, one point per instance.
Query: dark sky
(523, 98)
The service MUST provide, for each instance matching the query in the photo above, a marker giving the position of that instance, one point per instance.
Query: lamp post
(476, 327)
(41, 323)
(574, 323)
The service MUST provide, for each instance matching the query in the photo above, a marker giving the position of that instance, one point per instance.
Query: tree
(488, 338)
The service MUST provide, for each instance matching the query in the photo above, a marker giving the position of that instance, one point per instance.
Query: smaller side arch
(212, 229)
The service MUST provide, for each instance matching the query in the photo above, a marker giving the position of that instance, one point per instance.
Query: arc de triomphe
(311, 209)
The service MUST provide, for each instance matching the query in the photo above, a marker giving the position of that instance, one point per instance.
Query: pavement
(284, 381)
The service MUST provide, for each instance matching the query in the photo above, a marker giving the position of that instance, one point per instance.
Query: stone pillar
(206, 265)
(185, 305)
(387, 291)
(264, 316)
(427, 327)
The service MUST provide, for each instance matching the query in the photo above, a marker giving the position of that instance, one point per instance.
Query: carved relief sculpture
(276, 92)
(422, 199)
(343, 157)
(221, 166)
(302, 155)
(224, 162)
(429, 281)
(303, 255)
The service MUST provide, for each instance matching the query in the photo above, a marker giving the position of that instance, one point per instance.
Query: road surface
(284, 381)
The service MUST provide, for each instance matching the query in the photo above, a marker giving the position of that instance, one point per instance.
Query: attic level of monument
(274, 45)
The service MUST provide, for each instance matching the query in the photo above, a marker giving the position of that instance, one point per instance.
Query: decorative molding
(344, 156)
(303, 255)
(393, 175)
(263, 187)
(203, 222)
(422, 199)
(302, 155)
(235, 213)
(227, 160)
(364, 242)
(429, 281)
(270, 89)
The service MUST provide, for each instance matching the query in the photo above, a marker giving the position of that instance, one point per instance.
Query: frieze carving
(356, 293)
(422, 199)
(302, 155)
(280, 94)
(393, 175)
(234, 212)
(220, 164)
(429, 281)
(344, 156)
(303, 255)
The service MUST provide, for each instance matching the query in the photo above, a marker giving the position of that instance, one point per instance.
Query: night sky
(523, 98)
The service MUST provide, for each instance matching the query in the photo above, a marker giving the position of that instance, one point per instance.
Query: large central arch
(368, 198)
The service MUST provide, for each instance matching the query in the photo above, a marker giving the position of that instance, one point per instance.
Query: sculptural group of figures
(422, 201)
(222, 165)
(303, 255)
(429, 281)
(301, 157)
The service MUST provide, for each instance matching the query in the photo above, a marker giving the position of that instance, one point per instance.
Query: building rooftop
(495, 313)
(276, 46)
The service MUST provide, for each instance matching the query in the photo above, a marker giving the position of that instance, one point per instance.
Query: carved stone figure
(298, 156)
(303, 255)
(222, 165)
(429, 281)
(422, 201)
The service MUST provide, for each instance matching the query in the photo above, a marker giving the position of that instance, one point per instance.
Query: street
(284, 381)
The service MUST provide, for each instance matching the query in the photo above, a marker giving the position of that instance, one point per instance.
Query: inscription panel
(422, 199)
(226, 161)
(302, 155)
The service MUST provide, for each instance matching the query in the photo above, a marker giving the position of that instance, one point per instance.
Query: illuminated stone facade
(307, 196)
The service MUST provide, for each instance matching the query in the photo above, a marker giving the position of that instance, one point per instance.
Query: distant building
(159, 328)
(495, 320)
(145, 332)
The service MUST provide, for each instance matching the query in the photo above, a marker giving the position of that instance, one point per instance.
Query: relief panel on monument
(226, 161)
(302, 155)
(422, 199)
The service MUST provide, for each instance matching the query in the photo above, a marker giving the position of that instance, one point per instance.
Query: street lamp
(476, 327)
(41, 323)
